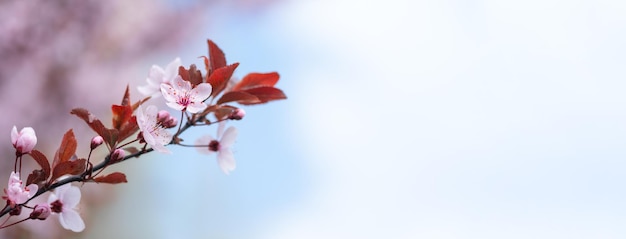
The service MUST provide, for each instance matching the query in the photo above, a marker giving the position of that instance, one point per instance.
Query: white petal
(60, 191)
(181, 85)
(204, 140)
(71, 198)
(71, 220)
(196, 107)
(175, 105)
(171, 70)
(149, 90)
(229, 137)
(161, 149)
(14, 135)
(169, 93)
(201, 92)
(226, 160)
(32, 190)
(156, 75)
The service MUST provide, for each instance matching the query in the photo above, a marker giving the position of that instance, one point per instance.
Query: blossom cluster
(137, 129)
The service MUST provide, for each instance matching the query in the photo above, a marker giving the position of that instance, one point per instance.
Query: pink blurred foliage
(58, 55)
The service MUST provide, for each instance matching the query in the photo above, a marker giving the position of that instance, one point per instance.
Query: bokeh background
(405, 119)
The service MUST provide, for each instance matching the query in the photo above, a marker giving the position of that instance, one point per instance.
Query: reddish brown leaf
(126, 98)
(42, 161)
(224, 111)
(36, 177)
(195, 76)
(96, 125)
(131, 150)
(121, 115)
(237, 96)
(265, 94)
(128, 129)
(66, 150)
(254, 80)
(220, 77)
(112, 178)
(206, 64)
(216, 57)
(183, 73)
(73, 167)
(138, 103)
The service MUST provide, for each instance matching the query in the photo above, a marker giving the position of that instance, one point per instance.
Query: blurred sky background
(404, 119)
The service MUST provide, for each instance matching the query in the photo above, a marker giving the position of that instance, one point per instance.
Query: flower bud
(117, 155)
(237, 114)
(163, 116)
(96, 141)
(170, 123)
(25, 140)
(41, 212)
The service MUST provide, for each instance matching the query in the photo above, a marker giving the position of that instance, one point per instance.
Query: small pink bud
(96, 141)
(41, 212)
(25, 140)
(237, 114)
(163, 116)
(117, 155)
(170, 123)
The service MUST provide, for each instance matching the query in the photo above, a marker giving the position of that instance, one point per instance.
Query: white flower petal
(201, 92)
(14, 135)
(175, 105)
(169, 93)
(60, 191)
(196, 107)
(156, 75)
(181, 85)
(70, 219)
(204, 140)
(149, 90)
(71, 197)
(171, 70)
(229, 137)
(226, 160)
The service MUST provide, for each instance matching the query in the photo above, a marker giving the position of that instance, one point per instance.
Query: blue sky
(413, 119)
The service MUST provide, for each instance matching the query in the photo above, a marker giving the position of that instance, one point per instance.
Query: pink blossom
(63, 201)
(96, 141)
(16, 193)
(153, 133)
(221, 146)
(160, 76)
(41, 211)
(25, 140)
(180, 95)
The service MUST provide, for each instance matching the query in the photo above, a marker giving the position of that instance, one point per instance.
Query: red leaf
(96, 125)
(216, 57)
(265, 94)
(36, 177)
(121, 115)
(128, 129)
(112, 178)
(42, 161)
(195, 76)
(131, 150)
(183, 73)
(220, 77)
(126, 98)
(254, 80)
(223, 111)
(138, 103)
(66, 150)
(237, 96)
(73, 167)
